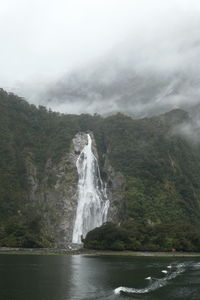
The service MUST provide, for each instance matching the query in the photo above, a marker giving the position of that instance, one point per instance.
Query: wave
(196, 265)
(154, 283)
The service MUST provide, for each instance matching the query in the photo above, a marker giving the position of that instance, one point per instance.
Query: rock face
(55, 196)
(115, 191)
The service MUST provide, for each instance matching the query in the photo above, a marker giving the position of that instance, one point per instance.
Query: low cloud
(140, 58)
(146, 74)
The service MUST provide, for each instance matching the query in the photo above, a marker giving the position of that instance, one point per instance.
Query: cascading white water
(93, 203)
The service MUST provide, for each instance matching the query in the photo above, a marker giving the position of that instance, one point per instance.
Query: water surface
(59, 277)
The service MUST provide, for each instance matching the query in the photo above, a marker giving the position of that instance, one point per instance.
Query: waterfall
(93, 203)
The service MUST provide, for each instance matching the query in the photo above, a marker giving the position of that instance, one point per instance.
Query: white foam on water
(196, 265)
(154, 285)
(169, 267)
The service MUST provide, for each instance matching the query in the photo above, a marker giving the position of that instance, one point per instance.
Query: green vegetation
(144, 237)
(23, 232)
(161, 171)
(161, 168)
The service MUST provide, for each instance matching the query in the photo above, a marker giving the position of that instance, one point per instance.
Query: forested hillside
(160, 166)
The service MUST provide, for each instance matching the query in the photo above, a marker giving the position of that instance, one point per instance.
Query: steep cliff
(55, 196)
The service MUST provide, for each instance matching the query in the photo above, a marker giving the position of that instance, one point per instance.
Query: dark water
(27, 277)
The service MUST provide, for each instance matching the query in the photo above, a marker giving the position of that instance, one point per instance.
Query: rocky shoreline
(82, 251)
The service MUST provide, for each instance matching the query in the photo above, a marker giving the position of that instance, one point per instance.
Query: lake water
(59, 277)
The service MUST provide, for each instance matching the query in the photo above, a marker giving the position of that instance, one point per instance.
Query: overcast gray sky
(44, 39)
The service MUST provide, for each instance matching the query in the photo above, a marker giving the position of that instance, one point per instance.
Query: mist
(137, 57)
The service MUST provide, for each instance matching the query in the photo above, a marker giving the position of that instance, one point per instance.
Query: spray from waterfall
(93, 203)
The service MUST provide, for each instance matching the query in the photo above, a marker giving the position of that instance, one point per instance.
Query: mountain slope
(151, 168)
